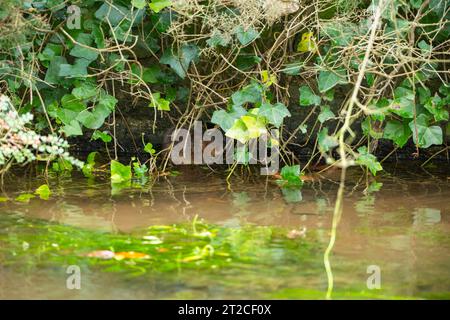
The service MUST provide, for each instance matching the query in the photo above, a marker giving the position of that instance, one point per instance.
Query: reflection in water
(337, 213)
(278, 243)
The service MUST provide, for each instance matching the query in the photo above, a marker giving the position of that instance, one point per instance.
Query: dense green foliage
(233, 63)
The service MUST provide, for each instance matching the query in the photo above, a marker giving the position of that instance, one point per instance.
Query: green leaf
(427, 135)
(255, 126)
(397, 132)
(43, 192)
(114, 13)
(89, 120)
(245, 37)
(291, 176)
(274, 113)
(107, 101)
(246, 128)
(329, 95)
(73, 128)
(53, 72)
(158, 5)
(307, 97)
(149, 148)
(140, 4)
(180, 61)
(119, 172)
(325, 114)
(70, 109)
(85, 91)
(25, 197)
(245, 61)
(86, 51)
(326, 142)
(217, 39)
(226, 119)
(50, 52)
(436, 107)
(251, 93)
(159, 103)
(328, 80)
(104, 136)
(78, 69)
(140, 170)
(151, 74)
(403, 103)
(368, 160)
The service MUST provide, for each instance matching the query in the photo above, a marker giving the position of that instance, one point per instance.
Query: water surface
(202, 239)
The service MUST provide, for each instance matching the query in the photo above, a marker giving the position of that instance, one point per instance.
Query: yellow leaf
(130, 255)
(268, 79)
(307, 43)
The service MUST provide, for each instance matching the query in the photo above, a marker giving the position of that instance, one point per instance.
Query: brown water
(403, 229)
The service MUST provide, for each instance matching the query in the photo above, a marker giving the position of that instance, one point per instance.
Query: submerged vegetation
(345, 73)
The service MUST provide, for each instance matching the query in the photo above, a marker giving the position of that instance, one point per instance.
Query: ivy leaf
(104, 136)
(89, 120)
(114, 13)
(246, 128)
(73, 128)
(307, 43)
(107, 101)
(403, 103)
(290, 176)
(325, 114)
(140, 4)
(226, 119)
(274, 113)
(427, 135)
(435, 106)
(43, 192)
(149, 148)
(397, 132)
(94, 119)
(246, 36)
(159, 103)
(307, 97)
(53, 72)
(368, 160)
(120, 172)
(238, 131)
(78, 69)
(79, 51)
(217, 39)
(70, 109)
(255, 126)
(326, 142)
(180, 61)
(151, 74)
(251, 93)
(158, 5)
(85, 91)
(246, 61)
(329, 79)
(329, 95)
